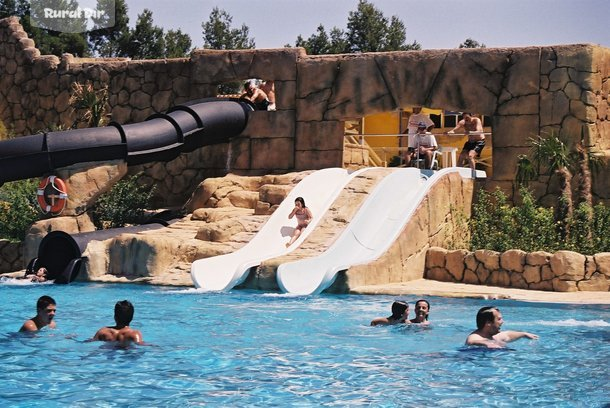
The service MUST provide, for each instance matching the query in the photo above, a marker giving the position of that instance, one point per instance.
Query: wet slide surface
(319, 190)
(372, 231)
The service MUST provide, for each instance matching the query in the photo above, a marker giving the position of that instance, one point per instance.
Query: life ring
(52, 195)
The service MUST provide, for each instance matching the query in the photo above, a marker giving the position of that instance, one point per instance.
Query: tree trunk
(565, 207)
(584, 178)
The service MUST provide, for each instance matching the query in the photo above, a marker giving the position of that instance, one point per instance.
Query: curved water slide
(161, 137)
(319, 190)
(372, 231)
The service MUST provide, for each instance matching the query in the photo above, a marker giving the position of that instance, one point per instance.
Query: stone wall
(563, 271)
(11, 256)
(527, 91)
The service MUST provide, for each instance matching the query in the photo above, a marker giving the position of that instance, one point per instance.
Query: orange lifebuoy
(52, 195)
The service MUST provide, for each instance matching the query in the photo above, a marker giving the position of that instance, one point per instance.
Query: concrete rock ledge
(563, 271)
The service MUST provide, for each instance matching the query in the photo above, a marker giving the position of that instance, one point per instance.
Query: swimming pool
(250, 348)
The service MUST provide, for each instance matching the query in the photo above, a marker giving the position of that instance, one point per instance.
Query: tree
(338, 42)
(48, 41)
(146, 40)
(218, 34)
(552, 153)
(316, 44)
(321, 43)
(470, 43)
(396, 37)
(368, 30)
(107, 40)
(177, 44)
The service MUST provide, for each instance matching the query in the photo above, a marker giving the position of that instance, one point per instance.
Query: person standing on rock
(488, 334)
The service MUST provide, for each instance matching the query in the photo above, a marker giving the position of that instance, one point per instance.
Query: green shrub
(18, 208)
(492, 222)
(498, 226)
(124, 204)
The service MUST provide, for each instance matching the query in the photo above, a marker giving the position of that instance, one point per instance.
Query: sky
(436, 24)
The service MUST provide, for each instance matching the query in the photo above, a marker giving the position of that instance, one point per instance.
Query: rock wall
(563, 271)
(11, 256)
(527, 91)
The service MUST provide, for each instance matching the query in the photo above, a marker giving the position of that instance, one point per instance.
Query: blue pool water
(254, 349)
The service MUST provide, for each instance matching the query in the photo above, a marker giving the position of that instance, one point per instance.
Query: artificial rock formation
(526, 91)
(563, 271)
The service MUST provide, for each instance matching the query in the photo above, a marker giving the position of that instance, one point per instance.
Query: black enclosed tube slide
(61, 253)
(161, 137)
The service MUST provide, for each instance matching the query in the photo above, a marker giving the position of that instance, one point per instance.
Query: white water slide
(319, 190)
(372, 231)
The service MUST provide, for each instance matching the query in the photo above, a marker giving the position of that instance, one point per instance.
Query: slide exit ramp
(372, 231)
(319, 190)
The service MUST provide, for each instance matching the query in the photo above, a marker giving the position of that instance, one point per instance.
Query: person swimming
(121, 332)
(400, 313)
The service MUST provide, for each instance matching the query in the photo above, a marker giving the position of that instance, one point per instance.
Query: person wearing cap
(414, 120)
(423, 145)
(473, 127)
(400, 314)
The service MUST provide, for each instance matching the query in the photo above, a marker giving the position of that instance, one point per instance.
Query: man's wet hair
(485, 314)
(398, 308)
(44, 301)
(123, 312)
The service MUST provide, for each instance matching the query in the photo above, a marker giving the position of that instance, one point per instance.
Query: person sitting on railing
(473, 127)
(423, 144)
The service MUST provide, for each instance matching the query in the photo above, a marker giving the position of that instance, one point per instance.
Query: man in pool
(488, 334)
(121, 332)
(400, 314)
(422, 308)
(45, 313)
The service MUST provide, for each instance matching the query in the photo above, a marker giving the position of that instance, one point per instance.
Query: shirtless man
(473, 127)
(45, 312)
(269, 88)
(121, 332)
(422, 309)
(489, 322)
(400, 313)
(255, 95)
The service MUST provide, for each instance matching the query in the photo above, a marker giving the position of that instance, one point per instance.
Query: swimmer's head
(485, 315)
(123, 312)
(300, 200)
(422, 306)
(399, 307)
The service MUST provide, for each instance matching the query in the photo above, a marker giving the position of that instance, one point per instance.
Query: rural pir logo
(71, 16)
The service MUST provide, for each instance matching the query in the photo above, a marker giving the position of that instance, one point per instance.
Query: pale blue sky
(434, 24)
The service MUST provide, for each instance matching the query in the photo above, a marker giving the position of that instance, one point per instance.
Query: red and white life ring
(52, 195)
